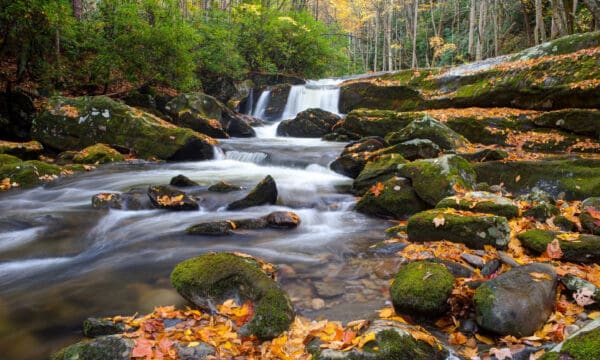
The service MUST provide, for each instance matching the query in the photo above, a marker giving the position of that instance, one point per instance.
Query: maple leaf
(583, 296)
(501, 354)
(484, 339)
(143, 348)
(439, 220)
(153, 326)
(553, 249)
(457, 338)
(377, 189)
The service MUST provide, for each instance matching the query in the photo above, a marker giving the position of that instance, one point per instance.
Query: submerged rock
(224, 187)
(166, 197)
(97, 154)
(394, 198)
(475, 231)
(213, 278)
(182, 181)
(421, 287)
(263, 193)
(283, 220)
(276, 219)
(215, 228)
(74, 123)
(435, 179)
(517, 302)
(311, 123)
(430, 129)
(578, 248)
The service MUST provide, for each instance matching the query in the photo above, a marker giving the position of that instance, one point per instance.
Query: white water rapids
(62, 261)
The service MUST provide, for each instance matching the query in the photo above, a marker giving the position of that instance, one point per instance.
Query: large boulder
(475, 231)
(277, 101)
(24, 150)
(265, 192)
(577, 179)
(430, 129)
(167, 197)
(114, 347)
(27, 173)
(98, 154)
(435, 179)
(75, 123)
(517, 302)
(421, 287)
(311, 123)
(381, 169)
(578, 248)
(590, 215)
(199, 112)
(394, 198)
(354, 156)
(483, 202)
(213, 278)
(414, 149)
(367, 122)
(579, 121)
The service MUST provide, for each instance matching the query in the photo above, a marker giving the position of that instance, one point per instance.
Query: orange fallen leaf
(457, 338)
(377, 189)
(142, 349)
(538, 276)
(553, 249)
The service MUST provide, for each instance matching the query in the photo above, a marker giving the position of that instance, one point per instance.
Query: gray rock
(517, 302)
(166, 197)
(199, 351)
(94, 327)
(114, 347)
(329, 289)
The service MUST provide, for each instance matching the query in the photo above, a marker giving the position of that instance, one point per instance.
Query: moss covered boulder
(75, 123)
(421, 287)
(27, 173)
(94, 327)
(114, 347)
(395, 198)
(517, 302)
(199, 112)
(436, 179)
(482, 202)
(414, 149)
(265, 192)
(98, 154)
(485, 155)
(25, 150)
(582, 345)
(381, 169)
(390, 340)
(579, 121)
(475, 231)
(590, 215)
(311, 123)
(372, 95)
(430, 129)
(167, 197)
(578, 248)
(212, 278)
(577, 179)
(354, 156)
(182, 181)
(367, 122)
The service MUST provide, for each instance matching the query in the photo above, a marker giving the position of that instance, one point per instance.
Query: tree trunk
(376, 39)
(540, 29)
(389, 36)
(594, 7)
(496, 29)
(414, 64)
(481, 31)
(77, 9)
(559, 16)
(471, 29)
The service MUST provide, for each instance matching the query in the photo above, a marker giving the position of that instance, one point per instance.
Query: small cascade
(251, 157)
(249, 103)
(323, 94)
(261, 105)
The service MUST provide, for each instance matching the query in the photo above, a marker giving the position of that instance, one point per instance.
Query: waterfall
(249, 103)
(261, 105)
(323, 94)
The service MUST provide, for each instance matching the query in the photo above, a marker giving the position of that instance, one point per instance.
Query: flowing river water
(62, 261)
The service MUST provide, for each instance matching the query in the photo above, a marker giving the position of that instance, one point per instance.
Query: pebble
(507, 259)
(317, 304)
(570, 329)
(473, 260)
(490, 267)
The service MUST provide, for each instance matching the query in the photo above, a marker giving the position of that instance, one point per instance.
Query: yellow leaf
(365, 339)
(386, 313)
(193, 344)
(485, 340)
(594, 315)
(538, 276)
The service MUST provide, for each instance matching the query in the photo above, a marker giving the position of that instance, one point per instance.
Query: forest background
(100, 46)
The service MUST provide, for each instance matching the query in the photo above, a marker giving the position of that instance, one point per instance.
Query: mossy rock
(224, 187)
(354, 156)
(167, 197)
(579, 121)
(421, 287)
(436, 179)
(114, 347)
(482, 202)
(29, 173)
(517, 302)
(577, 179)
(430, 129)
(212, 228)
(563, 45)
(6, 159)
(381, 169)
(584, 346)
(397, 199)
(485, 155)
(475, 231)
(94, 327)
(182, 181)
(391, 342)
(75, 123)
(311, 123)
(199, 112)
(212, 278)
(366, 122)
(590, 215)
(413, 149)
(585, 248)
(366, 94)
(24, 150)
(98, 154)
(542, 211)
(277, 101)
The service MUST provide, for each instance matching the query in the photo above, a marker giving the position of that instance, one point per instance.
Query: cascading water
(261, 105)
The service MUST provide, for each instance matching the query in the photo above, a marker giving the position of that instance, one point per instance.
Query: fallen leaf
(143, 348)
(377, 189)
(457, 338)
(553, 250)
(583, 296)
(439, 220)
(485, 340)
(501, 354)
(538, 276)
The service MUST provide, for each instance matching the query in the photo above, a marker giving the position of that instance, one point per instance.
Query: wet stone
(329, 289)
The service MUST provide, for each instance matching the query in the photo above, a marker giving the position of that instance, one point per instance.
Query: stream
(62, 261)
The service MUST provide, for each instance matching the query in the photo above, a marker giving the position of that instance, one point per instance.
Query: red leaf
(143, 348)
(377, 189)
(593, 212)
(553, 250)
(165, 345)
(152, 326)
